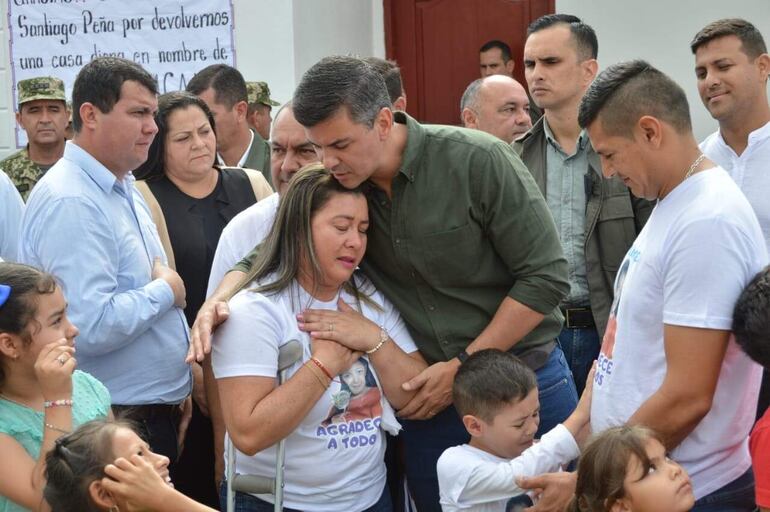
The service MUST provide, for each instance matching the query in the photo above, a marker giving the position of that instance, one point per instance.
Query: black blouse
(195, 225)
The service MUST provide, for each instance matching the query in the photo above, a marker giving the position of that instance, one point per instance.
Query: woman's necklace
(6, 397)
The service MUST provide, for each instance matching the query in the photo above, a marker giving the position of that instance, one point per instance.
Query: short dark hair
(751, 39)
(626, 91)
(585, 38)
(336, 82)
(99, 83)
(227, 82)
(751, 318)
(391, 73)
(257, 106)
(488, 380)
(154, 166)
(501, 45)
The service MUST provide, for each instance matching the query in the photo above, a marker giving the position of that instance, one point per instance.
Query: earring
(114, 508)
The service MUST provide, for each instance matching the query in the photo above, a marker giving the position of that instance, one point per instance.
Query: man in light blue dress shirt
(11, 210)
(86, 224)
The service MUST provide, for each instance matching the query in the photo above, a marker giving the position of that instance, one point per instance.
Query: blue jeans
(425, 440)
(556, 391)
(737, 496)
(581, 348)
(245, 502)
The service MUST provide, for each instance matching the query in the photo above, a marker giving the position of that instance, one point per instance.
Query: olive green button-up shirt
(466, 226)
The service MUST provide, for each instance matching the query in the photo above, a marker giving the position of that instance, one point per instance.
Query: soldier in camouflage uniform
(43, 114)
(260, 106)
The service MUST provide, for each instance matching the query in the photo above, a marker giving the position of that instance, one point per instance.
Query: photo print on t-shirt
(604, 361)
(356, 411)
(358, 397)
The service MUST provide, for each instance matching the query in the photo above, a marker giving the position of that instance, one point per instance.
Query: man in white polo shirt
(732, 66)
(668, 359)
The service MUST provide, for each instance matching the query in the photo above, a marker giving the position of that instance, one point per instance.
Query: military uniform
(24, 173)
(259, 92)
(259, 155)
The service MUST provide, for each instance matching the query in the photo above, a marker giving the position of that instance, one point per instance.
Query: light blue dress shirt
(11, 210)
(566, 198)
(96, 235)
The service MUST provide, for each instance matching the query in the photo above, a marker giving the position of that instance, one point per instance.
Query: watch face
(518, 503)
(463, 356)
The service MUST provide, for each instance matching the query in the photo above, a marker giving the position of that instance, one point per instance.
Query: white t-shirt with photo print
(335, 457)
(700, 247)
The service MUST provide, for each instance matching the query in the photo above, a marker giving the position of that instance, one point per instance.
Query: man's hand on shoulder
(211, 314)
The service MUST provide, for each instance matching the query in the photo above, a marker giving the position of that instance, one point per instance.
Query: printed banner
(172, 39)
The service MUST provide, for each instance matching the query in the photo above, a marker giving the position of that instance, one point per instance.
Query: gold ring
(331, 326)
(61, 359)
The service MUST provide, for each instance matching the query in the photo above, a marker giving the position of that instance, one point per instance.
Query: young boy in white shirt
(496, 395)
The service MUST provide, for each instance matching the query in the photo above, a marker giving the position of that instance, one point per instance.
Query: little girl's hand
(137, 482)
(53, 369)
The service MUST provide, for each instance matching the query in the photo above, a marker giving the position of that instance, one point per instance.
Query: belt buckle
(567, 316)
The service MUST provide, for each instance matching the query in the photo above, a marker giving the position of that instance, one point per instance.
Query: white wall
(7, 119)
(660, 32)
(275, 41)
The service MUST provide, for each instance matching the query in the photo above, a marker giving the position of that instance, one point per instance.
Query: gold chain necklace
(694, 165)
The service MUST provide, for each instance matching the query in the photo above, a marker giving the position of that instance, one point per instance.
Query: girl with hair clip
(42, 396)
(626, 469)
(304, 286)
(106, 466)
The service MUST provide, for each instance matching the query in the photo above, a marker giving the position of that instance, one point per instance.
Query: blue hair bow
(5, 291)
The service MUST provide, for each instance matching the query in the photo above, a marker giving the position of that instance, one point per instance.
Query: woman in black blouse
(192, 200)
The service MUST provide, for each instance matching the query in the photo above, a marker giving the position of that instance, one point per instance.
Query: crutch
(288, 354)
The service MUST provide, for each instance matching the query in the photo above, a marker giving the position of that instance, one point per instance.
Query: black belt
(578, 318)
(147, 411)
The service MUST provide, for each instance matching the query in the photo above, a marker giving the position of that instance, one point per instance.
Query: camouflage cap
(41, 88)
(259, 92)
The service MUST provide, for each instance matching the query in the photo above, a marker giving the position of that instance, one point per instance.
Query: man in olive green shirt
(461, 241)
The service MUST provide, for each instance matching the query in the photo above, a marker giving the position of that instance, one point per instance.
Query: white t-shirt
(11, 211)
(474, 480)
(700, 247)
(334, 459)
(244, 232)
(751, 170)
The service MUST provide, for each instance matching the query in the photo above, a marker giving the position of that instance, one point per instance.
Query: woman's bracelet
(323, 383)
(55, 428)
(383, 338)
(57, 403)
(323, 368)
